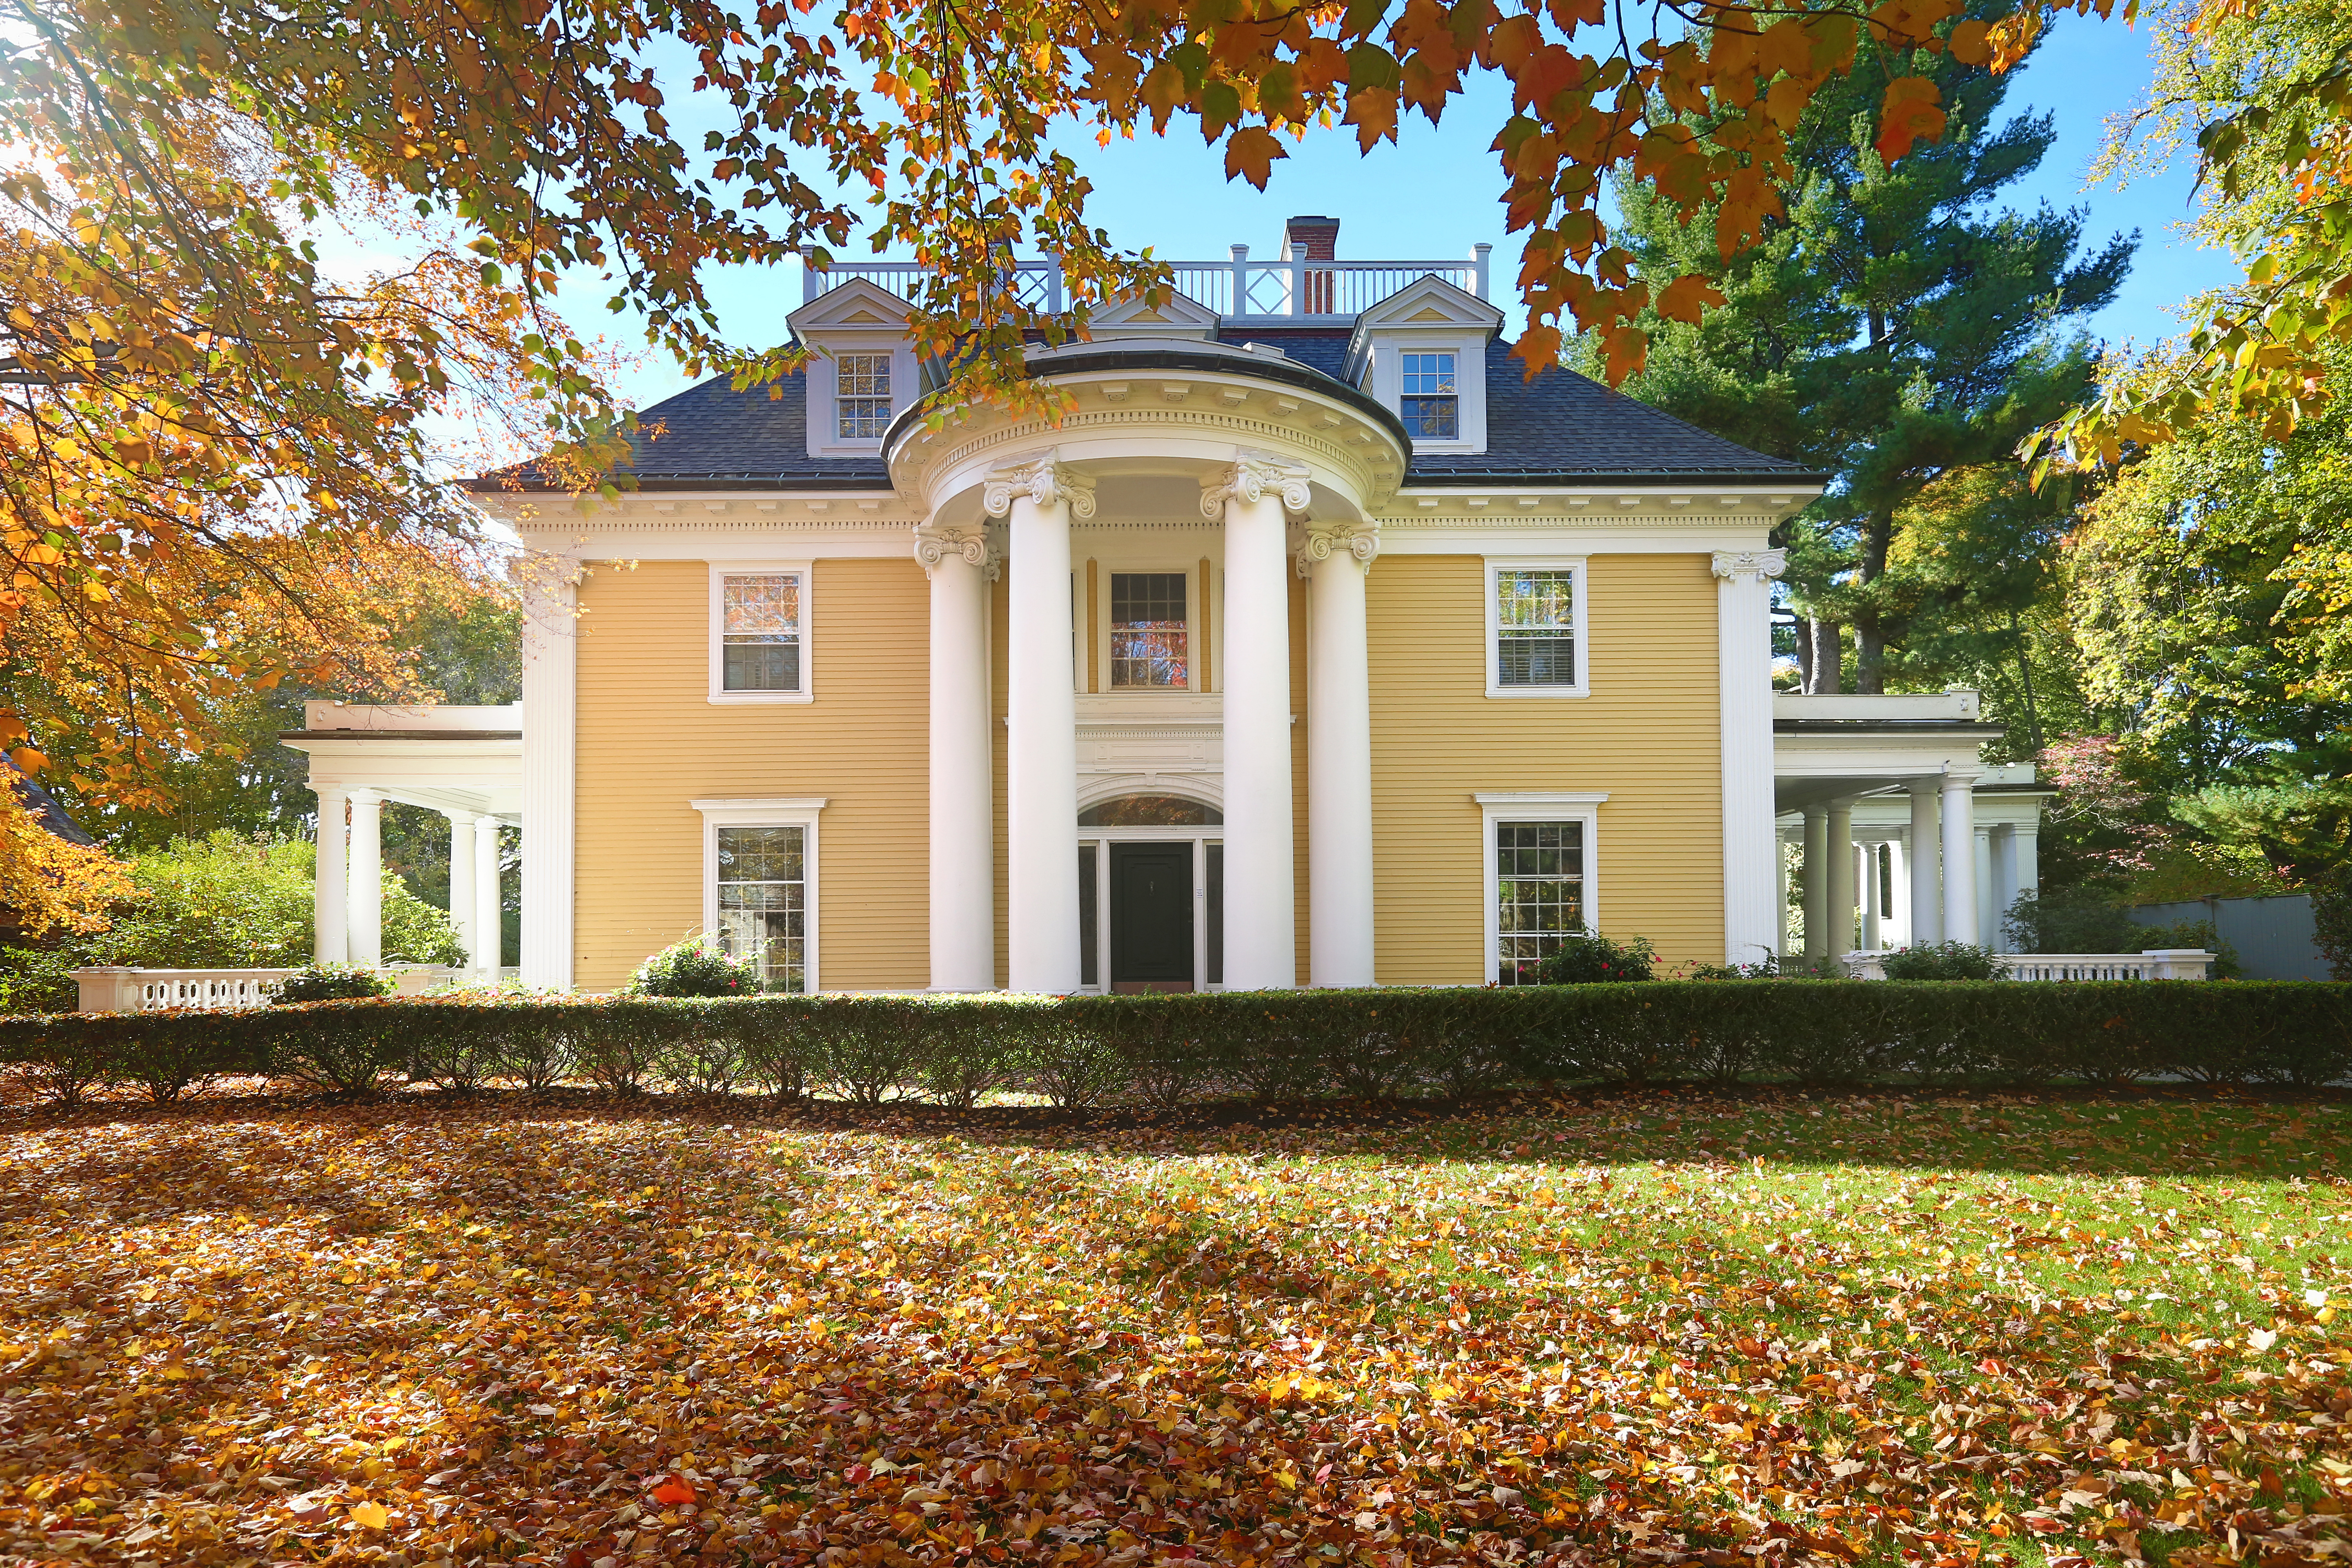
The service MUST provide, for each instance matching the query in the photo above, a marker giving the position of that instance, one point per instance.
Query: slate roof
(42, 804)
(1559, 428)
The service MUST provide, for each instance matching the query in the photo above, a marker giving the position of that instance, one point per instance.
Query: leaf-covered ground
(1649, 1328)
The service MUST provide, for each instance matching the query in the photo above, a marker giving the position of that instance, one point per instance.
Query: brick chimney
(1310, 239)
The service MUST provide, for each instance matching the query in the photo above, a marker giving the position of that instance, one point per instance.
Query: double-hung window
(861, 400)
(1536, 643)
(1431, 400)
(1539, 877)
(1149, 636)
(759, 634)
(763, 902)
(760, 885)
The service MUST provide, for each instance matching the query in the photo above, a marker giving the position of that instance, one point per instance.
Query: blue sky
(1437, 192)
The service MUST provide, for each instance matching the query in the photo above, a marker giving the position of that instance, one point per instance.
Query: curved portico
(1287, 465)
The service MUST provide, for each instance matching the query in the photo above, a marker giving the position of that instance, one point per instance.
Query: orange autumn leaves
(1658, 1327)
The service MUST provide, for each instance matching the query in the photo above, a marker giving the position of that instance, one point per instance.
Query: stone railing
(113, 990)
(2155, 963)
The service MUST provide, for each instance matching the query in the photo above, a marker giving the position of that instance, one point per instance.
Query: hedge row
(1171, 1051)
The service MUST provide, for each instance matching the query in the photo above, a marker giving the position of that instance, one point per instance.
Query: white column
(1753, 918)
(461, 880)
(364, 919)
(330, 935)
(1896, 931)
(1927, 883)
(2002, 841)
(1041, 716)
(1817, 881)
(1959, 855)
(1339, 761)
(551, 721)
(1866, 861)
(1841, 870)
(1988, 892)
(1781, 880)
(2029, 857)
(489, 911)
(960, 563)
(1261, 899)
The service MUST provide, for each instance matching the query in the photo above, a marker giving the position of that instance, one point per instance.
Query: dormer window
(862, 395)
(1432, 403)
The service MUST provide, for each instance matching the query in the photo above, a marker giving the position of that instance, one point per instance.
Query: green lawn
(1648, 1328)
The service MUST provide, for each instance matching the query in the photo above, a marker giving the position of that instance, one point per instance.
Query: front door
(1151, 917)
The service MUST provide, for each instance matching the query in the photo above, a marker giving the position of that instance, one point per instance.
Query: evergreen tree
(1897, 331)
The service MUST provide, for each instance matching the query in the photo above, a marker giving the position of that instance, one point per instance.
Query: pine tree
(1894, 330)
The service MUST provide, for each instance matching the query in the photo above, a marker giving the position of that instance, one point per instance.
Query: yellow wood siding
(1648, 737)
(651, 741)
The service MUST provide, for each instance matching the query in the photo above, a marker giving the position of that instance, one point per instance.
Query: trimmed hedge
(1172, 1050)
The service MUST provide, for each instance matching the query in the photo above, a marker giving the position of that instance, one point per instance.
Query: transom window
(763, 902)
(1432, 403)
(1150, 640)
(1535, 628)
(1538, 894)
(862, 395)
(760, 632)
(1151, 811)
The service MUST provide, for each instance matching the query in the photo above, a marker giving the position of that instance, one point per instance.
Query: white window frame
(1534, 806)
(822, 381)
(890, 398)
(1496, 567)
(722, 570)
(1408, 350)
(1191, 571)
(1467, 344)
(782, 811)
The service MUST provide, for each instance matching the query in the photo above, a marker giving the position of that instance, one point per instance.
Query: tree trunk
(1869, 634)
(1829, 656)
(1804, 653)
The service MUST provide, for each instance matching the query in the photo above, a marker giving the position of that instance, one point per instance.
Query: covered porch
(465, 763)
(1916, 839)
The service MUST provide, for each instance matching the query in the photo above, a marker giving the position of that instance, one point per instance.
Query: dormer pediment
(857, 305)
(1177, 318)
(1422, 352)
(1425, 304)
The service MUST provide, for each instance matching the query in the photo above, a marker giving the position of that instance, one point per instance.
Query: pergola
(1917, 837)
(465, 763)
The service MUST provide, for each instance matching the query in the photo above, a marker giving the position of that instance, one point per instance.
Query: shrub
(1589, 958)
(696, 966)
(1171, 1051)
(1943, 960)
(332, 983)
(2331, 919)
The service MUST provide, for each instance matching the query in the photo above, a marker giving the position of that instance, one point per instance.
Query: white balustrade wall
(119, 990)
(2156, 963)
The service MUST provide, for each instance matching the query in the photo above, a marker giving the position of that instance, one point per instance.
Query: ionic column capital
(1252, 477)
(1044, 480)
(1321, 543)
(1763, 565)
(934, 545)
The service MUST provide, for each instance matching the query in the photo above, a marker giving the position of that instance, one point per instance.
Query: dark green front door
(1151, 917)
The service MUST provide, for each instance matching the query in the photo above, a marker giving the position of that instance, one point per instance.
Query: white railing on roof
(1266, 291)
(123, 990)
(2154, 964)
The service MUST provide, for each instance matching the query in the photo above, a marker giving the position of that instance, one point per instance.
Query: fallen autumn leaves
(1652, 1328)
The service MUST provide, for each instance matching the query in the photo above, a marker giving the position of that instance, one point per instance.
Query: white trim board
(1534, 806)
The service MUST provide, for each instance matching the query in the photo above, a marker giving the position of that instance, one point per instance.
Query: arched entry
(1150, 893)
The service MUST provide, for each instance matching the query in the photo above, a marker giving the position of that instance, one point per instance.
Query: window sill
(1539, 691)
(728, 698)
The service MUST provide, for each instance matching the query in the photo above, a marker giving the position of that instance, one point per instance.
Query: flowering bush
(1942, 961)
(697, 967)
(1588, 958)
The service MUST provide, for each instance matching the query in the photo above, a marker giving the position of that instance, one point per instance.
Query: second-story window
(1535, 628)
(862, 395)
(1432, 406)
(1148, 641)
(760, 632)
